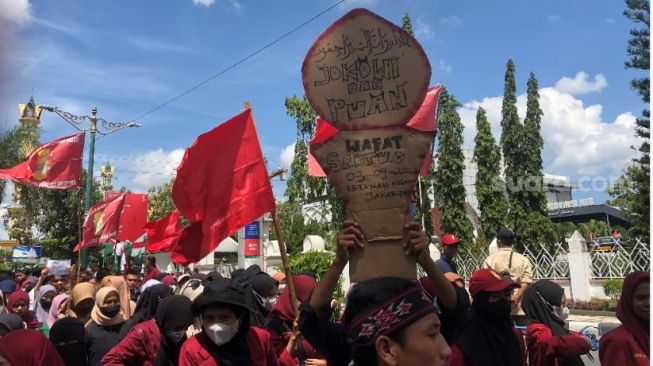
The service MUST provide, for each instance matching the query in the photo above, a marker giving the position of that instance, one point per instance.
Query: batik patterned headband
(400, 311)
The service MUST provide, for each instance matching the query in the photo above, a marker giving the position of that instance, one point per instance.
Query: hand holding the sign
(349, 237)
(417, 244)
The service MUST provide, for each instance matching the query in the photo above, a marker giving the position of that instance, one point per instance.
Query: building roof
(597, 212)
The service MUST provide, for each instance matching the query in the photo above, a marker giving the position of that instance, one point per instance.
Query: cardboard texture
(374, 173)
(367, 77)
(364, 71)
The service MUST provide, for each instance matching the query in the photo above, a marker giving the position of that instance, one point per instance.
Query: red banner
(163, 234)
(133, 217)
(103, 221)
(222, 185)
(55, 165)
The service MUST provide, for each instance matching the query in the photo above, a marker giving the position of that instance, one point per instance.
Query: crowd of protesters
(147, 317)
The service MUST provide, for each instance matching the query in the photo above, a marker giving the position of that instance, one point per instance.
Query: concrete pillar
(580, 264)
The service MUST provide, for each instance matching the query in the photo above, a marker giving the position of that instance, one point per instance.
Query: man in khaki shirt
(507, 261)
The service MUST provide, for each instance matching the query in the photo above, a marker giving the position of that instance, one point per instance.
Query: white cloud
(553, 18)
(17, 12)
(142, 171)
(206, 3)
(149, 44)
(581, 84)
(14, 15)
(452, 21)
(577, 141)
(287, 155)
(423, 30)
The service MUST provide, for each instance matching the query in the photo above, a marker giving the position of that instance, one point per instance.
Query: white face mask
(561, 312)
(176, 336)
(221, 333)
(270, 302)
(282, 287)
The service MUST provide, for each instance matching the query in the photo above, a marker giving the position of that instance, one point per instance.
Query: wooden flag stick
(286, 266)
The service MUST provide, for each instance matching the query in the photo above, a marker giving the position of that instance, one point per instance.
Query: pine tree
(522, 145)
(511, 133)
(407, 24)
(490, 188)
(423, 206)
(532, 149)
(302, 188)
(635, 198)
(449, 188)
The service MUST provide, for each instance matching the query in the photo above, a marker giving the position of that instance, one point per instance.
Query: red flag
(55, 165)
(222, 185)
(425, 118)
(133, 217)
(103, 221)
(323, 131)
(163, 234)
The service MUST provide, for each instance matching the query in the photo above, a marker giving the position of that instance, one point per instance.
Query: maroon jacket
(139, 347)
(458, 357)
(544, 348)
(618, 347)
(151, 274)
(260, 349)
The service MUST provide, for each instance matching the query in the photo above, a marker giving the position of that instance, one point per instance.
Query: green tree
(423, 207)
(522, 145)
(407, 24)
(159, 201)
(12, 147)
(634, 198)
(532, 149)
(449, 188)
(301, 187)
(490, 189)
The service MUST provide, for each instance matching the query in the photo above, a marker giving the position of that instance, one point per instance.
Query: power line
(236, 64)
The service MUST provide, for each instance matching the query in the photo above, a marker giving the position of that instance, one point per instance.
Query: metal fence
(618, 258)
(606, 259)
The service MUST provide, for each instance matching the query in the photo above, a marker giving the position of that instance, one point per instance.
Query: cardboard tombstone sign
(365, 72)
(367, 77)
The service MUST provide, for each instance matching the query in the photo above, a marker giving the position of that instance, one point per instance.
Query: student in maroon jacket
(489, 337)
(156, 341)
(628, 345)
(549, 342)
(280, 324)
(227, 337)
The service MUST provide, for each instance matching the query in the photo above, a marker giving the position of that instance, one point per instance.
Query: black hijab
(146, 306)
(69, 338)
(257, 284)
(173, 312)
(232, 295)
(489, 338)
(537, 310)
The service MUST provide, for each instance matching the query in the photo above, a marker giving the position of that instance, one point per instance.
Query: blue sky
(127, 57)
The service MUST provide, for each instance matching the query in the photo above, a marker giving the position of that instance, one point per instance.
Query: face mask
(221, 333)
(110, 311)
(176, 336)
(269, 303)
(561, 312)
(282, 287)
(498, 310)
(46, 303)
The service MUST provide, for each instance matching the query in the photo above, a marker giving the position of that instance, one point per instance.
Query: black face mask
(110, 311)
(493, 311)
(46, 303)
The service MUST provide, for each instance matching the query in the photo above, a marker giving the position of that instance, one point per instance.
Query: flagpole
(286, 267)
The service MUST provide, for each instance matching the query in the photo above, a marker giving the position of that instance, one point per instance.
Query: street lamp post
(109, 127)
